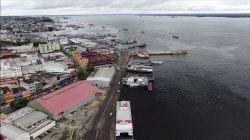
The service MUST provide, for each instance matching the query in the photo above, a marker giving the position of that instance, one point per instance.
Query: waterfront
(204, 95)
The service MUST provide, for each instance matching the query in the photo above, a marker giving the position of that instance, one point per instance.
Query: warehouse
(36, 123)
(65, 100)
(102, 77)
(10, 132)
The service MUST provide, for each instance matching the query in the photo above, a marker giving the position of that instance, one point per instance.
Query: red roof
(66, 97)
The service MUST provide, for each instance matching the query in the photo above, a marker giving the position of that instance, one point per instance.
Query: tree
(90, 69)
(18, 104)
(81, 74)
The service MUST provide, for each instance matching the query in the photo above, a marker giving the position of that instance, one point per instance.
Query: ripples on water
(202, 96)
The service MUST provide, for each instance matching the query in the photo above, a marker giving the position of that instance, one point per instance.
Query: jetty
(150, 86)
(179, 52)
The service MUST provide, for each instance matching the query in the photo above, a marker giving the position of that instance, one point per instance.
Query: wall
(75, 107)
(43, 129)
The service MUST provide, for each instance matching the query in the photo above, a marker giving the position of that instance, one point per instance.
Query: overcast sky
(65, 7)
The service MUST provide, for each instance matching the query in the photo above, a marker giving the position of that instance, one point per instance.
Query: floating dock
(179, 52)
(150, 86)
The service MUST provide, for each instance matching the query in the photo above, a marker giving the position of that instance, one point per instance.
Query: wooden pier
(179, 52)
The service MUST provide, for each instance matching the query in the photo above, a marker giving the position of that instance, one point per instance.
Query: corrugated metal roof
(66, 97)
(103, 74)
(31, 118)
(11, 131)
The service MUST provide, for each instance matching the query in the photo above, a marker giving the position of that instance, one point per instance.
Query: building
(101, 77)
(10, 132)
(15, 115)
(36, 123)
(25, 123)
(49, 47)
(20, 93)
(82, 62)
(96, 59)
(65, 100)
(7, 95)
(34, 86)
(52, 67)
(10, 68)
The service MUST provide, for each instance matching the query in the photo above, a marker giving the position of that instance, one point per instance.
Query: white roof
(31, 118)
(123, 111)
(123, 116)
(17, 114)
(12, 132)
(103, 74)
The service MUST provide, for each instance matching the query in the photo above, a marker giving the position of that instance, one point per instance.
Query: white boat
(124, 123)
(156, 62)
(140, 68)
(134, 81)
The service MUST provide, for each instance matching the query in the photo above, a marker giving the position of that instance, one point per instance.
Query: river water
(204, 95)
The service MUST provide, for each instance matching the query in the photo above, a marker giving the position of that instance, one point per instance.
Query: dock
(150, 86)
(179, 52)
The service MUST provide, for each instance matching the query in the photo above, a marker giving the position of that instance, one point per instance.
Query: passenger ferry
(140, 68)
(124, 123)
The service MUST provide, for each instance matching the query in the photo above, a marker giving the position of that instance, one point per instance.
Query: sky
(74, 7)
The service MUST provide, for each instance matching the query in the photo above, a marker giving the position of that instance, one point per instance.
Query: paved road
(104, 126)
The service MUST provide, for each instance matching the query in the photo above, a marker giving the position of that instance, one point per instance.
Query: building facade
(49, 47)
(102, 77)
(10, 68)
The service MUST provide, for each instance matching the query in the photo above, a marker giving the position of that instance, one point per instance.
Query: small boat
(156, 62)
(125, 29)
(176, 37)
(142, 32)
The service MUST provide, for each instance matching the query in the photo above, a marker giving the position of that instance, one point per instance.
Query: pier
(179, 52)
(150, 86)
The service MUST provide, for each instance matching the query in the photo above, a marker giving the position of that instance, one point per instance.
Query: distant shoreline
(227, 15)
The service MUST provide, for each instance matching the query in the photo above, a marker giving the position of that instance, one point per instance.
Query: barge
(135, 81)
(124, 124)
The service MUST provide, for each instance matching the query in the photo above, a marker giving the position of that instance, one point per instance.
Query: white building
(52, 67)
(36, 123)
(17, 114)
(10, 68)
(11, 132)
(101, 77)
(25, 124)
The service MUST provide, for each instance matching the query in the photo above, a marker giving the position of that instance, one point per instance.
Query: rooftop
(66, 97)
(31, 118)
(17, 114)
(11, 131)
(103, 73)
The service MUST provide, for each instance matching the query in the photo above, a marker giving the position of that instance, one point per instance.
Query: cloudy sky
(65, 7)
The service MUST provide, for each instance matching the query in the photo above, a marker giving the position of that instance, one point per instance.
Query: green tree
(81, 74)
(18, 104)
(90, 69)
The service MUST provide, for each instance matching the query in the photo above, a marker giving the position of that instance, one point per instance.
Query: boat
(156, 62)
(125, 29)
(142, 32)
(176, 37)
(124, 123)
(135, 81)
(140, 68)
(141, 45)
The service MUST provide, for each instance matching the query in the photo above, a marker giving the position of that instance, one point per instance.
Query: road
(103, 126)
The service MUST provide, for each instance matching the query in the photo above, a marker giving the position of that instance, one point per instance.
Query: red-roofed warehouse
(66, 99)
